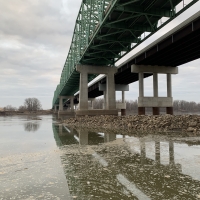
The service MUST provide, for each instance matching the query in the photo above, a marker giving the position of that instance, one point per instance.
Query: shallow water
(40, 159)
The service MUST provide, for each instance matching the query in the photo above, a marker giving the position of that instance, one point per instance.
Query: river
(41, 159)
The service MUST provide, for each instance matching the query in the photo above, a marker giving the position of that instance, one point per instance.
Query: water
(41, 159)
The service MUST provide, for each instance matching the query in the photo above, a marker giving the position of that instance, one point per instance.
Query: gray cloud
(34, 40)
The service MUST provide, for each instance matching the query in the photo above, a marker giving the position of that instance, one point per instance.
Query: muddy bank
(42, 112)
(184, 124)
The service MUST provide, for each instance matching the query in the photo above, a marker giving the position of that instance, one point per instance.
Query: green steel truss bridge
(106, 30)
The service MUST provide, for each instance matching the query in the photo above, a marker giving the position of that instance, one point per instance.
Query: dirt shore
(42, 112)
(161, 124)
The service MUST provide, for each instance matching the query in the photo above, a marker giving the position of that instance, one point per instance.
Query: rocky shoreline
(161, 124)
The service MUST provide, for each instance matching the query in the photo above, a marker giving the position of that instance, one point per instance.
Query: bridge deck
(106, 30)
(179, 46)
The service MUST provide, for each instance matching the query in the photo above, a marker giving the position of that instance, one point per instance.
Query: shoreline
(184, 125)
(12, 113)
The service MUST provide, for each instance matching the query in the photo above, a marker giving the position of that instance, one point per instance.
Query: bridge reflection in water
(122, 167)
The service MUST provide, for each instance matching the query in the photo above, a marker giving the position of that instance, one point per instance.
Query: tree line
(33, 104)
(30, 104)
(178, 105)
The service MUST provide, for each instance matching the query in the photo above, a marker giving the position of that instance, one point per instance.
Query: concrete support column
(92, 104)
(141, 84)
(123, 111)
(110, 89)
(72, 103)
(155, 110)
(141, 110)
(156, 102)
(169, 110)
(110, 92)
(105, 99)
(155, 84)
(60, 104)
(123, 96)
(83, 96)
(169, 85)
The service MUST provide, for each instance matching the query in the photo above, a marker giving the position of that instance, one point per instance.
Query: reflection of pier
(63, 136)
(118, 168)
(92, 138)
(157, 151)
(66, 136)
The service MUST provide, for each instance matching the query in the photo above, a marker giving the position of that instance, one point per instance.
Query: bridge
(107, 30)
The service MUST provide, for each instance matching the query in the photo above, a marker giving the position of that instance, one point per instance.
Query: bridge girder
(115, 26)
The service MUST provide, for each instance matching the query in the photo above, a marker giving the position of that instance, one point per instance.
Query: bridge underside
(177, 49)
(107, 30)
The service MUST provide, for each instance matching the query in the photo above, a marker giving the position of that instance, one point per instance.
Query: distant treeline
(30, 104)
(132, 106)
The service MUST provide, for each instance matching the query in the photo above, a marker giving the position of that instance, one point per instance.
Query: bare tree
(9, 108)
(32, 104)
(132, 106)
(22, 108)
(98, 103)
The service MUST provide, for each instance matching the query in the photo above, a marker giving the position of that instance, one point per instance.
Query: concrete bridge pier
(118, 87)
(104, 95)
(56, 107)
(154, 102)
(91, 103)
(141, 110)
(61, 105)
(169, 110)
(110, 108)
(123, 111)
(155, 110)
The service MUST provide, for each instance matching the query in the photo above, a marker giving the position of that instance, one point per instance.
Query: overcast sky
(35, 36)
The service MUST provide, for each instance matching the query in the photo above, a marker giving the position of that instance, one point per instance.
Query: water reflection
(31, 126)
(65, 136)
(30, 166)
(122, 169)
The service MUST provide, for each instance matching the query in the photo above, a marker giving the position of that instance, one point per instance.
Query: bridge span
(177, 47)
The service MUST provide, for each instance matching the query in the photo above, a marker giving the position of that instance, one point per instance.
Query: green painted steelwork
(106, 30)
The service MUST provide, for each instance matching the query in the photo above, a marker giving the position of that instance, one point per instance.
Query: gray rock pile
(140, 123)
